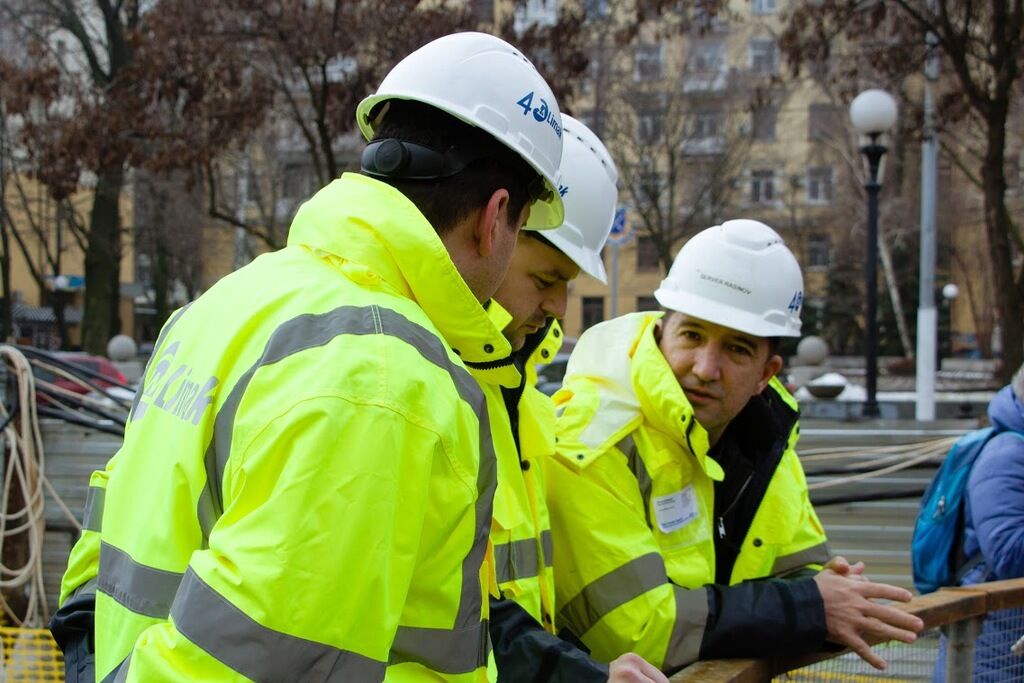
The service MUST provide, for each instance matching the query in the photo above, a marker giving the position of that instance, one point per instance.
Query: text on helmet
(725, 283)
(540, 114)
(796, 302)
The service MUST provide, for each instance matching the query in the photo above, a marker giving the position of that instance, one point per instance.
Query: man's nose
(557, 302)
(707, 364)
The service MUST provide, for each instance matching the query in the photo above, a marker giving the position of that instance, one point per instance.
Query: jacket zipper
(721, 518)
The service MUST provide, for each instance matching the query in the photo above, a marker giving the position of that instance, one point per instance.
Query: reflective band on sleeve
(86, 589)
(516, 560)
(818, 554)
(613, 590)
(639, 470)
(548, 545)
(93, 517)
(145, 590)
(119, 673)
(519, 560)
(311, 331)
(234, 638)
(688, 631)
(454, 651)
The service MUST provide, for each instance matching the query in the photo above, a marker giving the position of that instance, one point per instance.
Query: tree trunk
(892, 285)
(998, 227)
(101, 318)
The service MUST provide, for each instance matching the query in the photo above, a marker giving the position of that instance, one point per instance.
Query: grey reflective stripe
(146, 590)
(87, 588)
(310, 331)
(234, 638)
(818, 554)
(639, 470)
(92, 519)
(156, 349)
(519, 559)
(548, 545)
(455, 651)
(613, 590)
(688, 631)
(120, 672)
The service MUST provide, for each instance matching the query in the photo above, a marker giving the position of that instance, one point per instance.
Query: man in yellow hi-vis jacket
(681, 520)
(526, 305)
(305, 487)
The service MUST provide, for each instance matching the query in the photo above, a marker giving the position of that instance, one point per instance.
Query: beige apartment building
(706, 125)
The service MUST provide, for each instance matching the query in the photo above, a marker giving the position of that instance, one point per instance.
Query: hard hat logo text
(542, 113)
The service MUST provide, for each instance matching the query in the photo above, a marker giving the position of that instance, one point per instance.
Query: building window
(763, 6)
(296, 181)
(762, 123)
(593, 310)
(762, 56)
(819, 251)
(649, 125)
(647, 303)
(706, 124)
(483, 10)
(646, 254)
(762, 186)
(596, 9)
(650, 186)
(707, 55)
(819, 185)
(647, 63)
(824, 121)
(535, 13)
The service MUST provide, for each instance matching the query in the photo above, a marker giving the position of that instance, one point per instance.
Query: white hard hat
(739, 274)
(484, 81)
(589, 191)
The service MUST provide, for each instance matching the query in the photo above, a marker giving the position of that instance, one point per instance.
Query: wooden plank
(725, 671)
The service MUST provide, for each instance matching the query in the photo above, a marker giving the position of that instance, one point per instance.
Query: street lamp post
(949, 292)
(873, 112)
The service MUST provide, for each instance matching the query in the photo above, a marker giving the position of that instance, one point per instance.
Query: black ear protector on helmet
(401, 159)
(394, 158)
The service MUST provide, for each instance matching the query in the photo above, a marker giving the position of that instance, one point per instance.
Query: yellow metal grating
(30, 656)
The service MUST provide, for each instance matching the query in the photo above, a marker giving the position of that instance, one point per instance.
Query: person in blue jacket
(994, 534)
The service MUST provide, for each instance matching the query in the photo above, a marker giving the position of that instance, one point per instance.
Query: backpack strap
(967, 566)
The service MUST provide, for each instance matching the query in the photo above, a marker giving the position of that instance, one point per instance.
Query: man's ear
(772, 366)
(490, 219)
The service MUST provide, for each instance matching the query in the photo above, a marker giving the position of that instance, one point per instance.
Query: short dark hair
(446, 201)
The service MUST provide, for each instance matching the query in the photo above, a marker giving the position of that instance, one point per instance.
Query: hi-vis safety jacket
(521, 530)
(631, 497)
(522, 621)
(305, 487)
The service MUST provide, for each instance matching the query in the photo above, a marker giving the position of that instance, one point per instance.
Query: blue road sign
(622, 231)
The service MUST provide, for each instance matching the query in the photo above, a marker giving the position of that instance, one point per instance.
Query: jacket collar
(372, 228)
(663, 402)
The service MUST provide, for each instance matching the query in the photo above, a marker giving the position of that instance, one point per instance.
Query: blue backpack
(936, 548)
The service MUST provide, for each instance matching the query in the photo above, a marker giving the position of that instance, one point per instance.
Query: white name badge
(675, 510)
